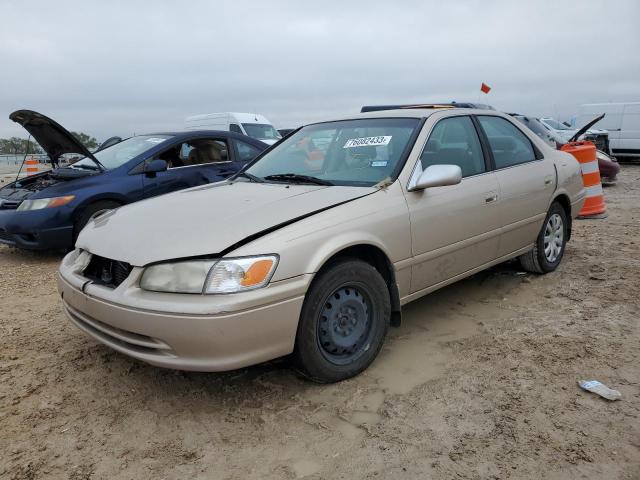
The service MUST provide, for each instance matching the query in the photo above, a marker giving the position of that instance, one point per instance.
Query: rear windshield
(352, 152)
(120, 153)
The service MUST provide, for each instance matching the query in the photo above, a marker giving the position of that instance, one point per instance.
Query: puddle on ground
(415, 353)
(330, 421)
(371, 402)
(304, 468)
(359, 417)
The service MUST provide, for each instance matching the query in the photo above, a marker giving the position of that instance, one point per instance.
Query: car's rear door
(455, 228)
(526, 179)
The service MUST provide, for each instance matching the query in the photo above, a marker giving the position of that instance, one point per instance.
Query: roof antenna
(23, 160)
(255, 114)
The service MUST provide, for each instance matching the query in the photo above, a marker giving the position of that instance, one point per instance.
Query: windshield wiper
(296, 178)
(250, 176)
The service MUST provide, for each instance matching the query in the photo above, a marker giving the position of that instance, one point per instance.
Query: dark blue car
(48, 210)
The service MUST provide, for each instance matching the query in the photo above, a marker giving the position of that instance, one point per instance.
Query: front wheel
(550, 244)
(344, 321)
(92, 211)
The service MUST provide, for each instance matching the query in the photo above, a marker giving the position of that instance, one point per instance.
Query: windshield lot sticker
(156, 140)
(367, 141)
(379, 164)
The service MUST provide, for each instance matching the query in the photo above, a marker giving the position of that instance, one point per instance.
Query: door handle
(492, 198)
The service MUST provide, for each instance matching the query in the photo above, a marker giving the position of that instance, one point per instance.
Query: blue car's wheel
(91, 211)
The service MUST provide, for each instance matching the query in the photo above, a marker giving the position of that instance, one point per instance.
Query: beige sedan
(314, 248)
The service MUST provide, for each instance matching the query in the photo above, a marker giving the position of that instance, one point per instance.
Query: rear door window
(454, 141)
(508, 144)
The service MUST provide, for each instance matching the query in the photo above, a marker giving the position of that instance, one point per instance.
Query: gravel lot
(479, 382)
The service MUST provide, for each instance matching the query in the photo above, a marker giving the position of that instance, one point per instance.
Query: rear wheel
(344, 321)
(92, 211)
(550, 244)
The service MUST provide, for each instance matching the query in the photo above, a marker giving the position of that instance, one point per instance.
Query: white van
(622, 120)
(250, 124)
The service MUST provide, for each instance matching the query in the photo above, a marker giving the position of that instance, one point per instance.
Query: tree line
(19, 146)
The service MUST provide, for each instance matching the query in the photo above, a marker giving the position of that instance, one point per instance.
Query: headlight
(41, 203)
(229, 275)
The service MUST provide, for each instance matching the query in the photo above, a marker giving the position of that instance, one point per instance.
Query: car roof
(182, 134)
(430, 105)
(411, 113)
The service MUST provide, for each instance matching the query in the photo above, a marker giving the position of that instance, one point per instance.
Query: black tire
(536, 260)
(88, 212)
(351, 300)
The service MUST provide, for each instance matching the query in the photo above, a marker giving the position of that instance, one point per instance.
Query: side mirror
(437, 176)
(155, 166)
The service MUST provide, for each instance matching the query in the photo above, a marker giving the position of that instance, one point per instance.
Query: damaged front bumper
(185, 331)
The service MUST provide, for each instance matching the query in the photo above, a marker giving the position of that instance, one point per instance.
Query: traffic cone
(32, 166)
(585, 153)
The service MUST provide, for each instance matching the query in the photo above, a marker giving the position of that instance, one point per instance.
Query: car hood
(585, 128)
(52, 183)
(54, 139)
(209, 220)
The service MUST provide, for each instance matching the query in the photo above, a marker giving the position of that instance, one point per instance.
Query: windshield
(261, 131)
(556, 125)
(120, 153)
(351, 152)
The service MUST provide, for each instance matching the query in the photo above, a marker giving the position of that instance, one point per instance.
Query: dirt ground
(479, 382)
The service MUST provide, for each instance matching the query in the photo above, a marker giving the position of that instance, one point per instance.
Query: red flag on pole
(485, 88)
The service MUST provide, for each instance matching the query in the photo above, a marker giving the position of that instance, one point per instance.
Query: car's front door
(454, 228)
(192, 163)
(244, 152)
(527, 180)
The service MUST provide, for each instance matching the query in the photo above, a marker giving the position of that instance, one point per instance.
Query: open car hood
(54, 139)
(209, 220)
(586, 127)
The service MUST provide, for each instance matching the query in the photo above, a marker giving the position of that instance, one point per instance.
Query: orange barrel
(32, 166)
(585, 153)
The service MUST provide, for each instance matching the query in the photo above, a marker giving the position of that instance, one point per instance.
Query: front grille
(107, 272)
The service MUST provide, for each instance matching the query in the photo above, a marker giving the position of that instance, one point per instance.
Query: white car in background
(565, 131)
(250, 124)
(622, 121)
(599, 137)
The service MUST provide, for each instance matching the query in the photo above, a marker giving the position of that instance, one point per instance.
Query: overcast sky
(115, 68)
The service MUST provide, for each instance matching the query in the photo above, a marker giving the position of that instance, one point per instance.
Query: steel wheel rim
(553, 238)
(344, 325)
